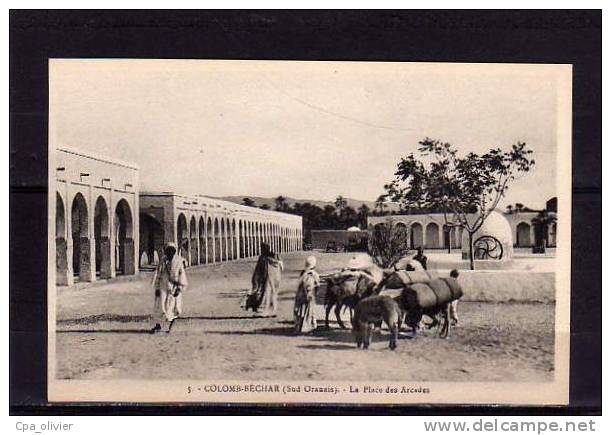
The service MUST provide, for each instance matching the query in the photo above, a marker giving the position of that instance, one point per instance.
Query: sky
(307, 130)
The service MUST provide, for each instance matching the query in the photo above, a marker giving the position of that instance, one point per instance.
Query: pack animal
(346, 289)
(370, 312)
(434, 299)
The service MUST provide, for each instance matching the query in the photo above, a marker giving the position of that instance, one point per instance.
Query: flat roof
(220, 202)
(98, 157)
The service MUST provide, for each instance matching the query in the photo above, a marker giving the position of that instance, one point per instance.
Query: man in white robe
(169, 282)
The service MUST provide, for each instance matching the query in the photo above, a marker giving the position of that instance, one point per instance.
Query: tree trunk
(471, 262)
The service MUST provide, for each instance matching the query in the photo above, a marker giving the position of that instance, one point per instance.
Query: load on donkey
(421, 292)
(360, 279)
(426, 294)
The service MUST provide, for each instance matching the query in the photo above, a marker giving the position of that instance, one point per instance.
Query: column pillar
(87, 266)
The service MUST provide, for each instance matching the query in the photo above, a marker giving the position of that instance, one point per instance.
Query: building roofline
(221, 202)
(98, 157)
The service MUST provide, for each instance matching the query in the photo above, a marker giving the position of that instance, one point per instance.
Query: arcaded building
(208, 230)
(424, 230)
(105, 227)
(427, 230)
(96, 216)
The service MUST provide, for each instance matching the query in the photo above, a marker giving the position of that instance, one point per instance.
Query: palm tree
(381, 203)
(541, 223)
(340, 203)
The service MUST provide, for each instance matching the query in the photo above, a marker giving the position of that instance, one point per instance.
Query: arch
(151, 239)
(523, 235)
(432, 235)
(223, 240)
(276, 238)
(202, 240)
(182, 236)
(449, 237)
(257, 238)
(193, 243)
(416, 236)
(241, 237)
(287, 239)
(101, 235)
(228, 244)
(124, 239)
(234, 240)
(210, 257)
(282, 247)
(217, 241)
(402, 227)
(81, 254)
(61, 244)
(249, 227)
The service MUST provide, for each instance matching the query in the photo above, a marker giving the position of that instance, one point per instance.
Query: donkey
(346, 289)
(370, 312)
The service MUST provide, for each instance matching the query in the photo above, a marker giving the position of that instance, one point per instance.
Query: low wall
(506, 286)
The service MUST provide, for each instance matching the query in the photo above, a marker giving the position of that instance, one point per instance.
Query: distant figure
(303, 311)
(169, 281)
(144, 259)
(420, 257)
(263, 297)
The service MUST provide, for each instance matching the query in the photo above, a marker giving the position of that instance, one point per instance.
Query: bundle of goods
(436, 292)
(402, 278)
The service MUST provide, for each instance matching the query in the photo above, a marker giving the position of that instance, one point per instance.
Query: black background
(571, 37)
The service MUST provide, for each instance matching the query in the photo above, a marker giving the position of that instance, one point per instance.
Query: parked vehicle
(355, 245)
(332, 247)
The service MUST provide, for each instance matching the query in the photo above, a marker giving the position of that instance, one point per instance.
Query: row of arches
(431, 235)
(93, 245)
(526, 236)
(205, 239)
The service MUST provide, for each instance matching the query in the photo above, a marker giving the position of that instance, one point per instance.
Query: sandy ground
(102, 333)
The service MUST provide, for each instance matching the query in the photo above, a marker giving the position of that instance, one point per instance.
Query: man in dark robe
(420, 257)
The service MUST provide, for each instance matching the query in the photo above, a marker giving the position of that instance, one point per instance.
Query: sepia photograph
(248, 231)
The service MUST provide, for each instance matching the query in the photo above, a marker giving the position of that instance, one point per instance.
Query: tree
(340, 203)
(519, 207)
(248, 202)
(381, 203)
(329, 217)
(541, 223)
(509, 209)
(388, 243)
(264, 207)
(363, 212)
(348, 217)
(280, 203)
(465, 189)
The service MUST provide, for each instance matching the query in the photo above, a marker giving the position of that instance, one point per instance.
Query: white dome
(497, 226)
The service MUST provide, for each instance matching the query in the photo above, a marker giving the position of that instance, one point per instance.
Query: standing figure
(420, 257)
(169, 281)
(263, 297)
(303, 311)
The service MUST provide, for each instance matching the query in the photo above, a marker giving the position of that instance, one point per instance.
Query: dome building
(493, 241)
